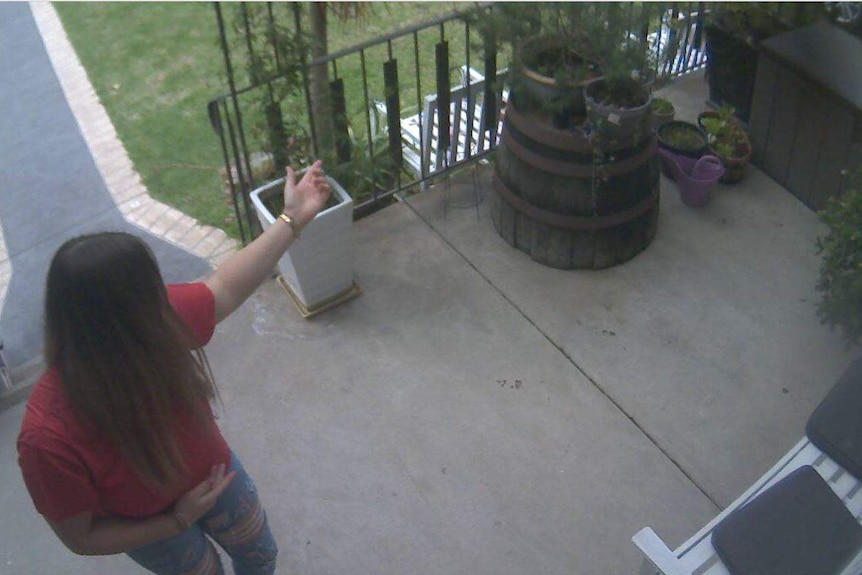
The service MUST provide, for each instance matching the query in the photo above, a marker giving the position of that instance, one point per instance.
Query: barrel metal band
(574, 140)
(541, 132)
(575, 170)
(575, 222)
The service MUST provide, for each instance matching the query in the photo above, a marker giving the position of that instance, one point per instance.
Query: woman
(118, 447)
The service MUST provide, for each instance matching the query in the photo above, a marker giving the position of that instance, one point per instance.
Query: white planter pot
(318, 268)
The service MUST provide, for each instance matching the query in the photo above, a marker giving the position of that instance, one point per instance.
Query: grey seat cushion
(796, 527)
(835, 427)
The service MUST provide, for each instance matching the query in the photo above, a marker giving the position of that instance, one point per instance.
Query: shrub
(726, 136)
(662, 106)
(840, 281)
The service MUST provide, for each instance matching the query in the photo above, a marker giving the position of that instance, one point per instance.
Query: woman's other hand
(200, 499)
(304, 199)
(85, 535)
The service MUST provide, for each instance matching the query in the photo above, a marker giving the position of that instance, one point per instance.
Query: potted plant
(551, 57)
(728, 141)
(840, 279)
(682, 139)
(559, 48)
(317, 269)
(589, 165)
(619, 105)
(663, 111)
(549, 76)
(620, 109)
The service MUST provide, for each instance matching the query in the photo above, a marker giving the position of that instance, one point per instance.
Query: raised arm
(239, 276)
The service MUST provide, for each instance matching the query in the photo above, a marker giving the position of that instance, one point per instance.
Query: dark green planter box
(731, 67)
(806, 114)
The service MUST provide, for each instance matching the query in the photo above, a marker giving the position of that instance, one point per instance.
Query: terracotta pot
(736, 165)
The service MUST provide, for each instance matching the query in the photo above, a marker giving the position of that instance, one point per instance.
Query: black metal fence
(386, 95)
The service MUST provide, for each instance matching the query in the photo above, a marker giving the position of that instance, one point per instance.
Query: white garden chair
(420, 132)
(697, 556)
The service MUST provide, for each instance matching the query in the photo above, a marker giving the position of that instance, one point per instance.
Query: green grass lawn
(156, 65)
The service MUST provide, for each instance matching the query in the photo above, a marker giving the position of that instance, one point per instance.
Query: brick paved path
(64, 172)
(123, 182)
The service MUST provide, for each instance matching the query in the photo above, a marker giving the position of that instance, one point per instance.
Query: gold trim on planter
(336, 300)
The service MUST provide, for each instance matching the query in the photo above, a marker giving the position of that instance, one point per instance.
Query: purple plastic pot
(694, 177)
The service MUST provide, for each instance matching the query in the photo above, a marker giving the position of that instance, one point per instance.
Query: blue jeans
(237, 523)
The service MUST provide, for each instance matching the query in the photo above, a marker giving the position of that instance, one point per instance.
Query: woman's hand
(303, 200)
(192, 506)
(85, 535)
(236, 279)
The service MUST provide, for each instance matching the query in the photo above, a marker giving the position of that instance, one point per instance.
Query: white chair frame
(420, 132)
(697, 556)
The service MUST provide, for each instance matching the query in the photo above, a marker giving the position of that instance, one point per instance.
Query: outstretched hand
(304, 199)
(200, 499)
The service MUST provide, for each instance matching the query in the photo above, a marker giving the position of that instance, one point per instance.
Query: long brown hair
(126, 361)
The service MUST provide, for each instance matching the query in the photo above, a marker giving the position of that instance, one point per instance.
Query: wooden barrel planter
(569, 201)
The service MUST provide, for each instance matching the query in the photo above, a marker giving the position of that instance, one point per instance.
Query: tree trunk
(321, 103)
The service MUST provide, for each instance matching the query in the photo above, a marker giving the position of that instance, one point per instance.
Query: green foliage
(619, 42)
(682, 137)
(610, 33)
(726, 137)
(840, 281)
(155, 65)
(271, 48)
(267, 42)
(364, 175)
(571, 42)
(755, 21)
(662, 106)
(510, 22)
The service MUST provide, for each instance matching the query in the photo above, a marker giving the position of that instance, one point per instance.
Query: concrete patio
(474, 412)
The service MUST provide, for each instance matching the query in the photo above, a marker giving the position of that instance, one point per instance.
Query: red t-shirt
(68, 471)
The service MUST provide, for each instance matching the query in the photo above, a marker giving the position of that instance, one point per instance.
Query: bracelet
(292, 223)
(181, 520)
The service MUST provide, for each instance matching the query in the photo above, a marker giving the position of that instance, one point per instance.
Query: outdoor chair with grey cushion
(802, 517)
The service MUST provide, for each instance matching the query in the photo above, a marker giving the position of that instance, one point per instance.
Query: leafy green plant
(682, 137)
(619, 39)
(156, 65)
(545, 40)
(271, 49)
(571, 42)
(364, 175)
(840, 280)
(361, 177)
(726, 136)
(662, 106)
(753, 22)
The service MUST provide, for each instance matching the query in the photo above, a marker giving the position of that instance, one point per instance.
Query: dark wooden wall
(806, 116)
